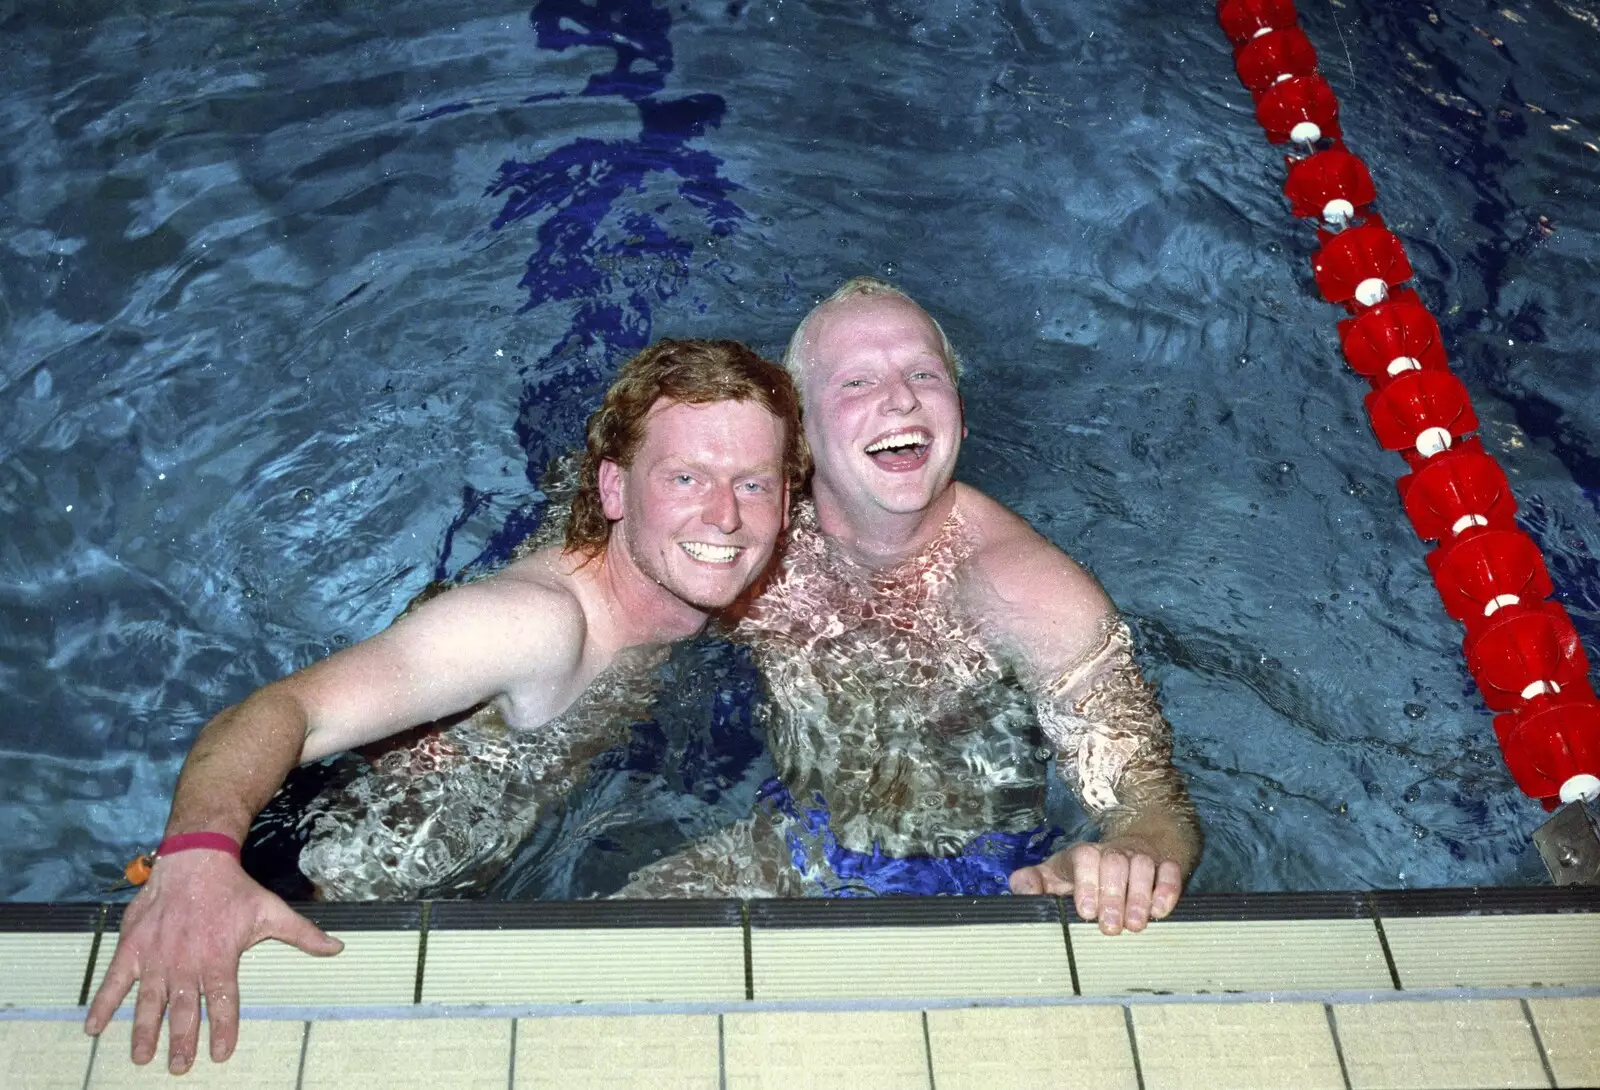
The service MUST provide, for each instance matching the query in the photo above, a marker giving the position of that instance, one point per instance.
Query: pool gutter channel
(752, 918)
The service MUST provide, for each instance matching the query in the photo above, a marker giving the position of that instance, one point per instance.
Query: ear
(610, 480)
(961, 403)
(784, 501)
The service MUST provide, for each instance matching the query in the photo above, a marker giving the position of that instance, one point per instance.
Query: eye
(683, 478)
(753, 488)
(853, 383)
(924, 374)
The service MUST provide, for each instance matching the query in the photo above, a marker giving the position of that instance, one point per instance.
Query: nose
(898, 395)
(721, 510)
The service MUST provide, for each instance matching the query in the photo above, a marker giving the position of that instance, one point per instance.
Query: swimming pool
(298, 297)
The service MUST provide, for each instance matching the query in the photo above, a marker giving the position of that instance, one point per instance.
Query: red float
(1274, 57)
(1302, 109)
(1394, 337)
(1457, 490)
(1357, 267)
(1318, 182)
(1552, 747)
(1481, 572)
(1525, 651)
(1245, 19)
(1420, 414)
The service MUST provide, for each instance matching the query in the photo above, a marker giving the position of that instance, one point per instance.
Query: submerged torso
(890, 705)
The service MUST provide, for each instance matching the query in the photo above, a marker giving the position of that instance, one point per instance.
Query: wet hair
(858, 286)
(687, 373)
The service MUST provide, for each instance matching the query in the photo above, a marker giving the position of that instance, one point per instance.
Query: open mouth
(900, 451)
(710, 554)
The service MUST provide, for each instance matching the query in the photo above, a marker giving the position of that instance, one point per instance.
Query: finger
(183, 1027)
(1141, 883)
(1169, 886)
(147, 1011)
(222, 1011)
(287, 925)
(1086, 880)
(113, 990)
(1113, 890)
(1026, 881)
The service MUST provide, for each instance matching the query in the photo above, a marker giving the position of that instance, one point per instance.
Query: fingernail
(1135, 919)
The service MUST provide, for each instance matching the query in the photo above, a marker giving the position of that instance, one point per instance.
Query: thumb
(1026, 881)
(287, 925)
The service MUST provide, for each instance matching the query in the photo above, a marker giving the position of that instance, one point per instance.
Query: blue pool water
(297, 300)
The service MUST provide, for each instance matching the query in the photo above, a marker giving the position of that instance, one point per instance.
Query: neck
(876, 538)
(639, 610)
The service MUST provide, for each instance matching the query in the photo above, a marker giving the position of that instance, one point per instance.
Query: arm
(1113, 745)
(182, 935)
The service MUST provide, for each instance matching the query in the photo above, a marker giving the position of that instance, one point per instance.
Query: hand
(1117, 882)
(181, 939)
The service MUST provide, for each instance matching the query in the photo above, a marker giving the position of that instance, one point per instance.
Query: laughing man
(683, 492)
(919, 643)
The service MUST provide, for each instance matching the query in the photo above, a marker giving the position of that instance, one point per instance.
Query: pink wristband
(183, 842)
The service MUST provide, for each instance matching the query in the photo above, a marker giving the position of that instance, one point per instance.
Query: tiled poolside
(1440, 989)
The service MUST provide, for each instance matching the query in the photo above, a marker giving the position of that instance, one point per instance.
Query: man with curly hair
(683, 491)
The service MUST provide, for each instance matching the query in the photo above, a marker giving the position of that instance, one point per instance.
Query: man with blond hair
(683, 492)
(928, 655)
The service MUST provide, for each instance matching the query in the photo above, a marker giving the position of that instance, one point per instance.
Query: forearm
(1114, 747)
(240, 758)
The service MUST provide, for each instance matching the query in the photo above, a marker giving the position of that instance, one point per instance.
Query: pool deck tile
(585, 965)
(1495, 951)
(1439, 1045)
(862, 1050)
(425, 1053)
(43, 970)
(1570, 1030)
(1031, 1048)
(1227, 956)
(376, 968)
(651, 1052)
(973, 961)
(44, 1055)
(268, 1058)
(1243, 1046)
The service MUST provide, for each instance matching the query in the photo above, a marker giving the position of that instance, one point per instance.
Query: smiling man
(683, 491)
(928, 655)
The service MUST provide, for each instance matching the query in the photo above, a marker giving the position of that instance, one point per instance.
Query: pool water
(297, 300)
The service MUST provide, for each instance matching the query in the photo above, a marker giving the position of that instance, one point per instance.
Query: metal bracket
(1569, 844)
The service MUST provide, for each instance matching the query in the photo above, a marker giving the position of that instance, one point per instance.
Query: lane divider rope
(1521, 647)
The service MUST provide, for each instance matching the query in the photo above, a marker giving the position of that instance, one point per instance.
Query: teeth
(900, 439)
(710, 554)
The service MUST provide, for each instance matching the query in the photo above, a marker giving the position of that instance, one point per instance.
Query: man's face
(702, 505)
(881, 409)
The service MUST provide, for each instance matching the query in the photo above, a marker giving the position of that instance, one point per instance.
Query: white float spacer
(1338, 211)
(1307, 132)
(1493, 605)
(1432, 441)
(1582, 786)
(1260, 30)
(1539, 688)
(1281, 76)
(1372, 291)
(1467, 522)
(1404, 363)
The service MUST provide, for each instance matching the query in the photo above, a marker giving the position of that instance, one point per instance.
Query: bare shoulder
(530, 608)
(1032, 591)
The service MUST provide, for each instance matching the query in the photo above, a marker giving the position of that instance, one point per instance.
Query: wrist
(198, 841)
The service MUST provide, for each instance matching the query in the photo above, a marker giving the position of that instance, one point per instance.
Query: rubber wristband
(184, 842)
